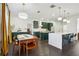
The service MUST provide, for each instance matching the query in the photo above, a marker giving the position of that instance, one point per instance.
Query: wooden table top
(26, 37)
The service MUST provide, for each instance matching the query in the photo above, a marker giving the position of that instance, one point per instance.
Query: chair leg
(26, 49)
(23, 48)
(14, 49)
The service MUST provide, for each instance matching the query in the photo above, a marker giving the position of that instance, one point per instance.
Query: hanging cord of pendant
(68, 15)
(64, 13)
(59, 11)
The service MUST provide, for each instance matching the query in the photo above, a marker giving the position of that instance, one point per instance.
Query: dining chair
(30, 44)
(17, 44)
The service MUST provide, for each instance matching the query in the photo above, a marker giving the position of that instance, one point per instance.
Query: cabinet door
(46, 36)
(37, 34)
(35, 24)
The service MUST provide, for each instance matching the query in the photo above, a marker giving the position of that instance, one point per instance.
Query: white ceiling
(45, 11)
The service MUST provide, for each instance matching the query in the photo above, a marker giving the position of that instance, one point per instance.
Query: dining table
(28, 42)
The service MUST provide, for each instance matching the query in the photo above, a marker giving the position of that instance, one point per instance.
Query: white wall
(58, 27)
(78, 25)
(72, 26)
(17, 23)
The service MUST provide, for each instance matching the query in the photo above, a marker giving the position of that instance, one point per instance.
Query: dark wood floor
(44, 49)
(71, 49)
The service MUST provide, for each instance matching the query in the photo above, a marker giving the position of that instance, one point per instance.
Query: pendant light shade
(59, 18)
(64, 20)
(68, 21)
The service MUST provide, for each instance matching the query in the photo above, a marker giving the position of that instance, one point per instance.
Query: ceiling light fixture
(68, 21)
(64, 19)
(52, 6)
(59, 18)
(38, 11)
(22, 14)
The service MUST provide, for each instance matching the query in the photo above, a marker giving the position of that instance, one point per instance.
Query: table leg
(19, 48)
(26, 48)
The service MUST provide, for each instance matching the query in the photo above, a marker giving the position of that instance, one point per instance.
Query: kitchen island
(59, 40)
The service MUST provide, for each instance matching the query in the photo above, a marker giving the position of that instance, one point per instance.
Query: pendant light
(22, 14)
(68, 21)
(64, 19)
(59, 18)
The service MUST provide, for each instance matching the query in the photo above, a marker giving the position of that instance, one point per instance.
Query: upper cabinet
(47, 26)
(43, 25)
(35, 24)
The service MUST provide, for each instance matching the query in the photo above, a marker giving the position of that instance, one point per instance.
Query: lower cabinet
(43, 36)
